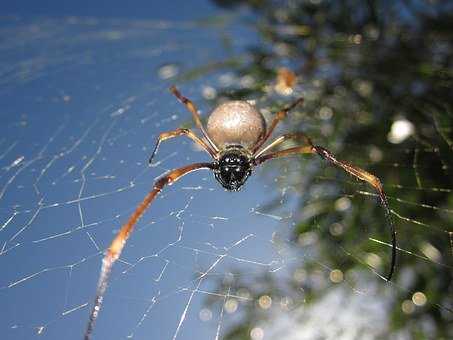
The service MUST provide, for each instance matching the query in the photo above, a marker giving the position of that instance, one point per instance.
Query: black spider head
(233, 169)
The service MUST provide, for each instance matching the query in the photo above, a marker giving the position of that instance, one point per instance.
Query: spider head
(233, 168)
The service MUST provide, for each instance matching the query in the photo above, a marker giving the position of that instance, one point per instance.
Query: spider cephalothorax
(235, 138)
(233, 168)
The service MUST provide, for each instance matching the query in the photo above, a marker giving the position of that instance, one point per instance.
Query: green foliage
(371, 63)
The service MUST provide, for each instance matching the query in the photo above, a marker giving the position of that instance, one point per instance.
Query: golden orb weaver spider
(235, 134)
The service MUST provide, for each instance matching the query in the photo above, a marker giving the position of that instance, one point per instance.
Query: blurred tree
(377, 79)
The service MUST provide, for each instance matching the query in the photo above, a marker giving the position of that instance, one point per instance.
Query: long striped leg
(351, 169)
(182, 132)
(285, 137)
(279, 116)
(118, 243)
(196, 116)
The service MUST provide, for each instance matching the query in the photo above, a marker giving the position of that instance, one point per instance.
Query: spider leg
(182, 132)
(281, 139)
(279, 116)
(351, 169)
(196, 116)
(118, 243)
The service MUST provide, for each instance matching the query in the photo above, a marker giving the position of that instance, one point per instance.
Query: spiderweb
(83, 102)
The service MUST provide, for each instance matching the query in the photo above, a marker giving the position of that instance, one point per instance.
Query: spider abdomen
(236, 123)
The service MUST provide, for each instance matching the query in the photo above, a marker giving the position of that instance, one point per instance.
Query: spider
(235, 135)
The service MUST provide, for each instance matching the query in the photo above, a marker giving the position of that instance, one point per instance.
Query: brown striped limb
(182, 132)
(351, 169)
(279, 116)
(118, 243)
(294, 136)
(196, 116)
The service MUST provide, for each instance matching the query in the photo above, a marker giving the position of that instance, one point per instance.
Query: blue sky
(167, 10)
(85, 94)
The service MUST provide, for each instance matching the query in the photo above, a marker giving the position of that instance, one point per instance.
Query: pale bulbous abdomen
(236, 122)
